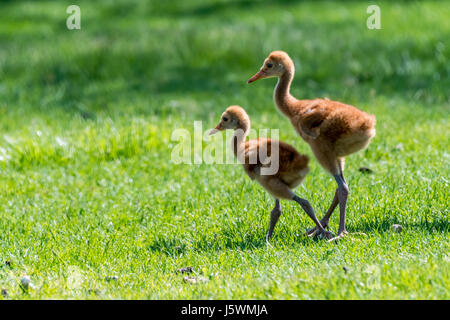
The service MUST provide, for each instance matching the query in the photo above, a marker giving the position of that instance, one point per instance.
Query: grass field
(88, 191)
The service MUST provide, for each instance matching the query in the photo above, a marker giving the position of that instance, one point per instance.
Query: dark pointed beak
(259, 75)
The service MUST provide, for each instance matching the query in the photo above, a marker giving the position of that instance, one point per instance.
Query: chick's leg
(324, 221)
(342, 195)
(310, 212)
(326, 218)
(274, 216)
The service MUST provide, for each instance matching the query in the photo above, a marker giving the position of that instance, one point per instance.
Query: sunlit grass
(89, 191)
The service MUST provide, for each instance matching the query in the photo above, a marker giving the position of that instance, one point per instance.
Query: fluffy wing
(258, 153)
(313, 116)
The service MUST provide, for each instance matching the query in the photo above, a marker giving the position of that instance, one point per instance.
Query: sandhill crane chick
(292, 167)
(333, 129)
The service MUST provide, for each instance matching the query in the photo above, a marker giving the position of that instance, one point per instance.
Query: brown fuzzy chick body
(333, 129)
(292, 169)
(258, 154)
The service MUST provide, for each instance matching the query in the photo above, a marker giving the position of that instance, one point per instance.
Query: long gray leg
(341, 163)
(343, 195)
(334, 203)
(310, 212)
(274, 216)
(326, 218)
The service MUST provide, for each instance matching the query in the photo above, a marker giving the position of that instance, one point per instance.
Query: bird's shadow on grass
(254, 239)
(250, 240)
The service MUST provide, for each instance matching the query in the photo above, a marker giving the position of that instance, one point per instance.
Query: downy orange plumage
(333, 129)
(292, 168)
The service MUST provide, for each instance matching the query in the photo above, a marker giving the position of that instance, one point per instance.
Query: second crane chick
(258, 155)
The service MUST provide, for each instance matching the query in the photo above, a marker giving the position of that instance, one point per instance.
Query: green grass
(88, 190)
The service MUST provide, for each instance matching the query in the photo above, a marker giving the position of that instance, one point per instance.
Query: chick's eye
(269, 65)
(225, 119)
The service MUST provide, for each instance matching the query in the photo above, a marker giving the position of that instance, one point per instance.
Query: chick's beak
(260, 74)
(215, 130)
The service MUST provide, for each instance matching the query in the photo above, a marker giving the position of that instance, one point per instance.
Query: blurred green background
(147, 54)
(86, 117)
